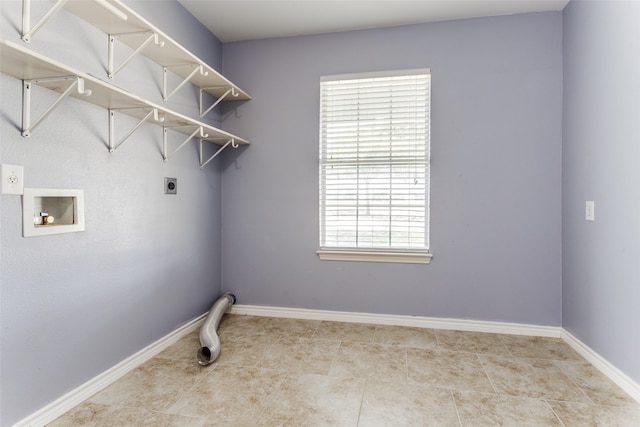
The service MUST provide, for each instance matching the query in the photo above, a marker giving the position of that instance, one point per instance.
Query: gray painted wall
(601, 151)
(74, 305)
(496, 172)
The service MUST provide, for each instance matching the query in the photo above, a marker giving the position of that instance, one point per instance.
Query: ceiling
(236, 20)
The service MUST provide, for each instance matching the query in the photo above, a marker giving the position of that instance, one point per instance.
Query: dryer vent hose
(209, 340)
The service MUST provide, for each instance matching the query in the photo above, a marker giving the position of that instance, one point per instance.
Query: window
(374, 166)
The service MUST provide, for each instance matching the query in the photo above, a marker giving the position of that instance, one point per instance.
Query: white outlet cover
(590, 210)
(12, 179)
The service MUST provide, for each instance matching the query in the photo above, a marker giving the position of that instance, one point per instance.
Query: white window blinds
(374, 161)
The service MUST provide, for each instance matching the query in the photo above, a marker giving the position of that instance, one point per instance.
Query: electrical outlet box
(12, 179)
(171, 186)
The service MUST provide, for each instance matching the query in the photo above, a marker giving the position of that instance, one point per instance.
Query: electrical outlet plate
(12, 179)
(590, 210)
(171, 186)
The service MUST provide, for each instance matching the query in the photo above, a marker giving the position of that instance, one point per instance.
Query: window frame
(367, 253)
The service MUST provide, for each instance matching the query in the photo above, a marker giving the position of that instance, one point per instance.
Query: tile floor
(286, 372)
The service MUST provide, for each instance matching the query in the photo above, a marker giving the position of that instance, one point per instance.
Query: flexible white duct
(209, 339)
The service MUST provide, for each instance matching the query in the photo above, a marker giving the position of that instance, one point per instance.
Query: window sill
(374, 256)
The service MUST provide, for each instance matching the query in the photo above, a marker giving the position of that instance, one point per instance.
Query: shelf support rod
(231, 142)
(152, 36)
(27, 30)
(27, 127)
(232, 90)
(112, 147)
(198, 69)
(166, 156)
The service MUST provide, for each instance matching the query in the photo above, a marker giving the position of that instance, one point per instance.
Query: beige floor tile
(301, 355)
(583, 415)
(156, 385)
(472, 342)
(298, 328)
(172, 370)
(238, 324)
(490, 410)
(96, 415)
(292, 372)
(245, 349)
(230, 395)
(407, 405)
(447, 369)
(600, 389)
(237, 421)
(405, 337)
(340, 331)
(370, 361)
(539, 347)
(186, 348)
(314, 400)
(85, 414)
(531, 378)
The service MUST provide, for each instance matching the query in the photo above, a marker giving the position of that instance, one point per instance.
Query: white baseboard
(401, 320)
(80, 394)
(631, 387)
(88, 389)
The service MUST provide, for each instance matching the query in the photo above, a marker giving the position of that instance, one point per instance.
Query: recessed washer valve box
(48, 211)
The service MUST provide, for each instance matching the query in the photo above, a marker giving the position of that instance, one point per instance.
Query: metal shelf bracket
(153, 113)
(77, 83)
(28, 31)
(152, 36)
(198, 69)
(231, 142)
(232, 90)
(199, 130)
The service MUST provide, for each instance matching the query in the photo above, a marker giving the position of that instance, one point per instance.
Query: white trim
(401, 320)
(78, 395)
(374, 74)
(374, 256)
(614, 374)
